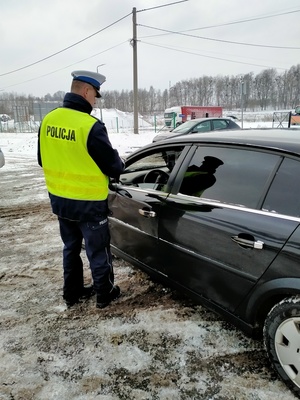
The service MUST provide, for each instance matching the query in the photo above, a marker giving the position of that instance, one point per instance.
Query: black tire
(282, 341)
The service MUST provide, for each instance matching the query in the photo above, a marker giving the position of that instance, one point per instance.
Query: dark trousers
(97, 246)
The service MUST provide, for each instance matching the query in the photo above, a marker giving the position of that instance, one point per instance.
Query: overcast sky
(214, 37)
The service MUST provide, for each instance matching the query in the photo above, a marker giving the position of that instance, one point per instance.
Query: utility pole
(99, 100)
(243, 92)
(135, 76)
(242, 101)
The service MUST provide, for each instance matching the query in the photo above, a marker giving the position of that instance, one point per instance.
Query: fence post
(117, 121)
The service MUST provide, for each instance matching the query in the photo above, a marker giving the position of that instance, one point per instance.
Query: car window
(151, 170)
(185, 127)
(229, 175)
(284, 194)
(219, 124)
(204, 126)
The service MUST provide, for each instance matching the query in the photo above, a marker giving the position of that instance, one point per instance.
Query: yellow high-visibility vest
(69, 170)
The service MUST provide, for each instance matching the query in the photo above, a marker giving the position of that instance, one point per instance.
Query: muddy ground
(152, 343)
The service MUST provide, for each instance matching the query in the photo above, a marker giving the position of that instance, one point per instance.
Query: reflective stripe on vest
(69, 170)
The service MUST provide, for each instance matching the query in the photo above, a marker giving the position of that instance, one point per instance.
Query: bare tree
(268, 89)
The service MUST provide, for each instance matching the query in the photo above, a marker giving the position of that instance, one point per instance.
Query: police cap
(93, 78)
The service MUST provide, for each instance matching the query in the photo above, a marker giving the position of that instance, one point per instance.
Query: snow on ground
(26, 143)
(119, 126)
(151, 344)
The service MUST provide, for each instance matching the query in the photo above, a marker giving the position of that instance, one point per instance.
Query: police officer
(77, 159)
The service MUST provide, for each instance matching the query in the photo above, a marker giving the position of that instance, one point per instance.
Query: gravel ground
(152, 343)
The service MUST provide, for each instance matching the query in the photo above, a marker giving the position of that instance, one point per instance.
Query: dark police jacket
(106, 158)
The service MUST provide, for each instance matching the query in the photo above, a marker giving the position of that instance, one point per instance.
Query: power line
(231, 23)
(60, 69)
(215, 58)
(220, 40)
(245, 20)
(66, 48)
(74, 44)
(163, 5)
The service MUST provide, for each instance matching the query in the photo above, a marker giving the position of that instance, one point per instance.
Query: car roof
(287, 140)
(206, 119)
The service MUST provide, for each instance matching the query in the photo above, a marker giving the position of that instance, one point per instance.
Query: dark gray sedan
(217, 215)
(199, 125)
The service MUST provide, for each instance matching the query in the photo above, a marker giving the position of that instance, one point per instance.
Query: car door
(136, 201)
(215, 240)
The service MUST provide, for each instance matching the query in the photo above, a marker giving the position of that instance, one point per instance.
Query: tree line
(266, 90)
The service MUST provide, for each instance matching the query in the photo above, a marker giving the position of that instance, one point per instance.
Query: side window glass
(219, 124)
(234, 176)
(284, 194)
(151, 170)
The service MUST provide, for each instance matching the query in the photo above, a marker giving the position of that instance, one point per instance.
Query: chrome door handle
(258, 244)
(146, 213)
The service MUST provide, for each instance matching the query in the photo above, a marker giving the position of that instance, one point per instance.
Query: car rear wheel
(282, 341)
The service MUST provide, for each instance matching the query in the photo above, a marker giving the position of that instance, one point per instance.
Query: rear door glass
(284, 194)
(219, 124)
(229, 175)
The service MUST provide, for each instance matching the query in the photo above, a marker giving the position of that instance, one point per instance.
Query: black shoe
(87, 292)
(71, 301)
(104, 301)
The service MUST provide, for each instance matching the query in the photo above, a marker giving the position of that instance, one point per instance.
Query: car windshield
(185, 127)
